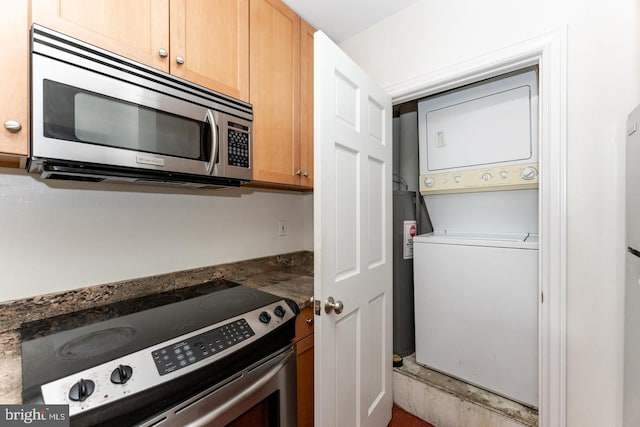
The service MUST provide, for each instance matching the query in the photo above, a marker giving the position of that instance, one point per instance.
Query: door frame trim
(549, 52)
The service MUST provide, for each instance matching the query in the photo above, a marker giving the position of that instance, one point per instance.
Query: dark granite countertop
(288, 276)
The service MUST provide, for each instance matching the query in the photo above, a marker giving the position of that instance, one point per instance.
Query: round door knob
(121, 374)
(486, 176)
(333, 305)
(180, 60)
(264, 317)
(12, 126)
(81, 390)
(163, 53)
(529, 173)
(429, 182)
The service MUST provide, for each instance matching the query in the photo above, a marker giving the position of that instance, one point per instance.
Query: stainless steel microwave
(97, 116)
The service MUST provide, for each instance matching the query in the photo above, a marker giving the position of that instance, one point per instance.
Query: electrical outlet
(282, 227)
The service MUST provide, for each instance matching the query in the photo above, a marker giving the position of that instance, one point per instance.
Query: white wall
(603, 86)
(59, 236)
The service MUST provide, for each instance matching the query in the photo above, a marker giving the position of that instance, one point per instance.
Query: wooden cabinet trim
(303, 327)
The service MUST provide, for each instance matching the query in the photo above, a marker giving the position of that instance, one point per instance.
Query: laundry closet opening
(466, 205)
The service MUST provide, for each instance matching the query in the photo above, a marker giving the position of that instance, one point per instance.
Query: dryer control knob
(486, 176)
(504, 174)
(429, 182)
(457, 178)
(529, 173)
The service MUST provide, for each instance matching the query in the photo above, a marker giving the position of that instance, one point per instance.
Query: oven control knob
(265, 317)
(81, 390)
(279, 311)
(121, 374)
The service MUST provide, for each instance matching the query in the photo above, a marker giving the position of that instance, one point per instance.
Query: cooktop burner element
(188, 338)
(95, 343)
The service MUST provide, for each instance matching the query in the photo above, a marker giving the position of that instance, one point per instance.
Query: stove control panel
(139, 371)
(199, 347)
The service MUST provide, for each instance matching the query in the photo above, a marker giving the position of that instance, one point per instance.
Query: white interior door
(352, 243)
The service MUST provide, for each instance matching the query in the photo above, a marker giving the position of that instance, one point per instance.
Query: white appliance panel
(489, 124)
(633, 179)
(631, 409)
(469, 133)
(632, 342)
(477, 314)
(514, 211)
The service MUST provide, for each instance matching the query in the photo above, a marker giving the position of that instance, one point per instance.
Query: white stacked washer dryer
(476, 275)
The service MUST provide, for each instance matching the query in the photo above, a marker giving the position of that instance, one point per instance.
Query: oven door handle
(246, 393)
(210, 118)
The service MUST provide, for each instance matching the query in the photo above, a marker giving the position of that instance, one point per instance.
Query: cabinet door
(212, 37)
(275, 91)
(304, 351)
(134, 29)
(306, 104)
(14, 72)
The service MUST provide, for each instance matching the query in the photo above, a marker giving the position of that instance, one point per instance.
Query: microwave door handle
(210, 118)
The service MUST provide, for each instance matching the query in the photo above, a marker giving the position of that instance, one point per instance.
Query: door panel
(352, 226)
(213, 38)
(134, 29)
(14, 74)
(275, 91)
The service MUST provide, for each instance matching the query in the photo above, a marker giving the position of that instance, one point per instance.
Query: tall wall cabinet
(281, 67)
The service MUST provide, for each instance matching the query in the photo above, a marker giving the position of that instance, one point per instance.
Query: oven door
(263, 395)
(82, 115)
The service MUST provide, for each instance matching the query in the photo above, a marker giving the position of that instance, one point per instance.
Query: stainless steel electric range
(214, 354)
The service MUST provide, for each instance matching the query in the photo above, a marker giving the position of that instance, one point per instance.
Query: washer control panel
(516, 177)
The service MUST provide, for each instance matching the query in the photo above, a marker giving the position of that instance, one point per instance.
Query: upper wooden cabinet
(282, 101)
(204, 41)
(14, 74)
(213, 38)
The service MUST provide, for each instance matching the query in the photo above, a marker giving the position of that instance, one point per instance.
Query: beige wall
(58, 236)
(603, 86)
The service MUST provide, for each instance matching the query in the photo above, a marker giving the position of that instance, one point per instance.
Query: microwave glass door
(75, 114)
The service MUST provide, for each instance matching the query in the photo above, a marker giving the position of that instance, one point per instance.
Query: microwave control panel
(238, 146)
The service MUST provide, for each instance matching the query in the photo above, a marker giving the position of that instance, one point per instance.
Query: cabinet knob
(309, 321)
(306, 174)
(180, 60)
(12, 126)
(163, 53)
(298, 172)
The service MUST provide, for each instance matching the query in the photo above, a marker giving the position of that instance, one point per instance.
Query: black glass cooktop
(51, 325)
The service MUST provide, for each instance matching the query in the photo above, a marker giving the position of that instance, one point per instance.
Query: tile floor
(401, 418)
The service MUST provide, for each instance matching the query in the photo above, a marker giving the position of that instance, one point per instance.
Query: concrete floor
(447, 402)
